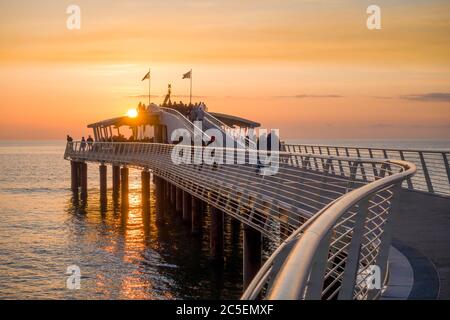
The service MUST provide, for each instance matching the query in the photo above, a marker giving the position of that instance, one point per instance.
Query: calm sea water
(43, 230)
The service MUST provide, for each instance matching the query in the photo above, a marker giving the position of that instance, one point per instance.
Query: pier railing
(331, 215)
(433, 169)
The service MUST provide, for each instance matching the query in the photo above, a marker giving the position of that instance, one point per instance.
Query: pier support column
(74, 176)
(166, 190)
(216, 234)
(83, 182)
(187, 206)
(158, 197)
(145, 185)
(196, 221)
(172, 194)
(103, 184)
(124, 186)
(178, 199)
(252, 246)
(116, 180)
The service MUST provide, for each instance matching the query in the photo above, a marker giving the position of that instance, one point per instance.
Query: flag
(147, 76)
(187, 75)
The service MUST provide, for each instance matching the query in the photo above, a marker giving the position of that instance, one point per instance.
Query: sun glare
(132, 113)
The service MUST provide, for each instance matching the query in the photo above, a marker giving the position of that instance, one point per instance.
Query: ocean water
(43, 230)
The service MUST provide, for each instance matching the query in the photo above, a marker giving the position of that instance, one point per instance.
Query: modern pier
(334, 212)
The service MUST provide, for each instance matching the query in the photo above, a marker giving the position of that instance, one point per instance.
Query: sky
(310, 68)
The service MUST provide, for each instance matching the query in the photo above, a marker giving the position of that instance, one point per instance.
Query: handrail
(433, 169)
(284, 206)
(228, 129)
(186, 121)
(294, 279)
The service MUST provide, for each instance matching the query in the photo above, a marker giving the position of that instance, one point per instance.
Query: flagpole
(190, 92)
(149, 86)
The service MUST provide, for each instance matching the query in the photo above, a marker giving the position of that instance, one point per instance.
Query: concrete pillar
(196, 226)
(74, 176)
(103, 185)
(116, 180)
(166, 190)
(159, 198)
(252, 247)
(83, 182)
(145, 185)
(172, 194)
(124, 185)
(178, 199)
(216, 234)
(187, 206)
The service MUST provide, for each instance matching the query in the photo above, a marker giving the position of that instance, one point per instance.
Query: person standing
(83, 144)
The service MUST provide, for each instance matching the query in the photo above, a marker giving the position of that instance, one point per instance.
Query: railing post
(408, 180)
(318, 268)
(447, 167)
(425, 172)
(353, 253)
(385, 239)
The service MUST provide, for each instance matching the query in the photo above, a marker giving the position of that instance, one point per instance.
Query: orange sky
(310, 68)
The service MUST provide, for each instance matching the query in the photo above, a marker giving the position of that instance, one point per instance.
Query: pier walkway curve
(331, 215)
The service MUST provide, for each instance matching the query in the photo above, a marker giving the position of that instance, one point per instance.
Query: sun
(132, 113)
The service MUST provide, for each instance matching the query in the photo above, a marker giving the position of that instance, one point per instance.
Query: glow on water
(122, 254)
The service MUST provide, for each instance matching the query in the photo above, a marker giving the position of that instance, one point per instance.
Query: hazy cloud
(302, 96)
(431, 97)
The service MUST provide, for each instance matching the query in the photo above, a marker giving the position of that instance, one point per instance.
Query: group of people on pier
(192, 111)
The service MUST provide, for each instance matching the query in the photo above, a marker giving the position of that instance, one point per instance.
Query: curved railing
(292, 200)
(230, 131)
(433, 168)
(338, 252)
(190, 126)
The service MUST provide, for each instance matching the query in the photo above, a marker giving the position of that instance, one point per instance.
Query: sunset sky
(308, 67)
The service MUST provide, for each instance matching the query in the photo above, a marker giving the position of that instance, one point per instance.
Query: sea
(45, 232)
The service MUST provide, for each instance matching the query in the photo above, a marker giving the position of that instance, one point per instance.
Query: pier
(334, 215)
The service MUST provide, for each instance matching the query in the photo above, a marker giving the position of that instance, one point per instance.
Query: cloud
(409, 126)
(430, 97)
(303, 96)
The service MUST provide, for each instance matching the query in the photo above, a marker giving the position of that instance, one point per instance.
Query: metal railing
(235, 134)
(333, 204)
(190, 126)
(433, 169)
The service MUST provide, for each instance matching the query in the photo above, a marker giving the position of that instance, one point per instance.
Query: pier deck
(423, 223)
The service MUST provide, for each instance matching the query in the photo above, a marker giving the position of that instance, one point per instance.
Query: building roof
(232, 121)
(142, 119)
